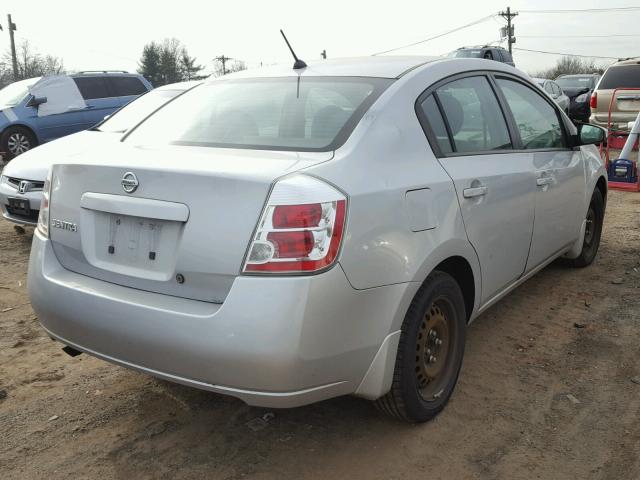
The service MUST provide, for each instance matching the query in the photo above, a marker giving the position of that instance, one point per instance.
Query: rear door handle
(475, 192)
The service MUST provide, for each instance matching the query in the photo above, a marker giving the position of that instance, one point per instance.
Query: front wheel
(430, 351)
(592, 232)
(16, 140)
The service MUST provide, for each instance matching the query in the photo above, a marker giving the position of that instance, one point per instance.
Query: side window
(92, 87)
(434, 117)
(488, 55)
(537, 121)
(473, 115)
(126, 86)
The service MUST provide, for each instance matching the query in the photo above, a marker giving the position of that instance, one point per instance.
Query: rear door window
(126, 86)
(473, 115)
(92, 87)
(537, 121)
(434, 118)
(623, 76)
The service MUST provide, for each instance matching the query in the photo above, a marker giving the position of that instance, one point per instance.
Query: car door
(559, 170)
(495, 185)
(99, 99)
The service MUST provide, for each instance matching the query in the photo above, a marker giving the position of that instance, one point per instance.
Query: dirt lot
(550, 388)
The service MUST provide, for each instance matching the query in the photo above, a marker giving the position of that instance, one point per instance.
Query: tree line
(163, 62)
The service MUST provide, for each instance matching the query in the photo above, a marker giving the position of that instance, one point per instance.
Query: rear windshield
(297, 113)
(624, 76)
(576, 82)
(466, 53)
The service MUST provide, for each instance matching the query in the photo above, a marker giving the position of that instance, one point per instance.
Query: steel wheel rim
(590, 228)
(18, 143)
(433, 349)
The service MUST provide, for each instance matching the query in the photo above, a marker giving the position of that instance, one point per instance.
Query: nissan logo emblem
(130, 182)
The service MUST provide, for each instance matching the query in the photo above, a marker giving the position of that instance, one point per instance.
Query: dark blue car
(37, 110)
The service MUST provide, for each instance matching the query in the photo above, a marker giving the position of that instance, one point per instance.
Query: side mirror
(106, 117)
(590, 135)
(36, 101)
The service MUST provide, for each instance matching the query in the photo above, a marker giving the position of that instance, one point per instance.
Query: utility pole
(323, 53)
(224, 61)
(508, 15)
(14, 59)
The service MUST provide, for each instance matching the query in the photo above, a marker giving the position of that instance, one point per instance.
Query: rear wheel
(429, 353)
(16, 140)
(592, 232)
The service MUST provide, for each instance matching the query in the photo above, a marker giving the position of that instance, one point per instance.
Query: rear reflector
(300, 229)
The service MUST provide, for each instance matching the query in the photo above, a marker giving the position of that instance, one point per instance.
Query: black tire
(414, 395)
(16, 140)
(593, 232)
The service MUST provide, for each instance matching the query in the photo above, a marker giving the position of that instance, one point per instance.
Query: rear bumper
(34, 198)
(275, 342)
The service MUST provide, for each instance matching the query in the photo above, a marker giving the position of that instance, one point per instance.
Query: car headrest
(453, 111)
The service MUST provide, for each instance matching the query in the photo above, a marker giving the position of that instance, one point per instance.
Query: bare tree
(230, 67)
(30, 64)
(569, 65)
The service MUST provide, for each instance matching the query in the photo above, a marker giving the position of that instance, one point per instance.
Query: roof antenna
(298, 64)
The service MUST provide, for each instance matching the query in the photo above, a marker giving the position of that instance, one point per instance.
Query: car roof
(382, 66)
(627, 61)
(104, 73)
(574, 75)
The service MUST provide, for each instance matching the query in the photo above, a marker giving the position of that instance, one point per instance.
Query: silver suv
(286, 236)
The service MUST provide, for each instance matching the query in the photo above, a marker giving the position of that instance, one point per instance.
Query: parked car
(555, 92)
(625, 76)
(288, 236)
(41, 109)
(487, 52)
(23, 178)
(578, 88)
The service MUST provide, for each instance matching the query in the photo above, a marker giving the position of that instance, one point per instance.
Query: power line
(584, 10)
(480, 20)
(566, 54)
(581, 36)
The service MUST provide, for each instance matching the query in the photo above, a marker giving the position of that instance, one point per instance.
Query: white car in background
(23, 178)
(555, 92)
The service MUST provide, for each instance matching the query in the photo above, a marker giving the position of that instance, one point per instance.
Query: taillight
(43, 217)
(593, 103)
(301, 228)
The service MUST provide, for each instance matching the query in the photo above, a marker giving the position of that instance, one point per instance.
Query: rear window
(297, 113)
(576, 82)
(126, 86)
(466, 53)
(92, 87)
(624, 76)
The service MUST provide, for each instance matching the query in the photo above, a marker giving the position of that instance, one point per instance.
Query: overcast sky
(110, 35)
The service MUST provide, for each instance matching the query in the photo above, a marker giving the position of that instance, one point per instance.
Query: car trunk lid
(182, 231)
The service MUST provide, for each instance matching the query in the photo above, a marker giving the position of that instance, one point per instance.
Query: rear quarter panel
(387, 156)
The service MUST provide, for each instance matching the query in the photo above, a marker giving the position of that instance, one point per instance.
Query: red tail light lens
(297, 216)
(292, 244)
(593, 103)
(298, 237)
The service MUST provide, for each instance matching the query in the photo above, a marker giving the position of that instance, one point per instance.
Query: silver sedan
(288, 235)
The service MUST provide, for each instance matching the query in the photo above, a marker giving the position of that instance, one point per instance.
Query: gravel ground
(550, 388)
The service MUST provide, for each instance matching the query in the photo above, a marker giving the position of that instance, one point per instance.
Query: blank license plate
(20, 206)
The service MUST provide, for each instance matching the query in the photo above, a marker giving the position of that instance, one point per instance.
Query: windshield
(13, 93)
(466, 53)
(135, 111)
(292, 113)
(576, 82)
